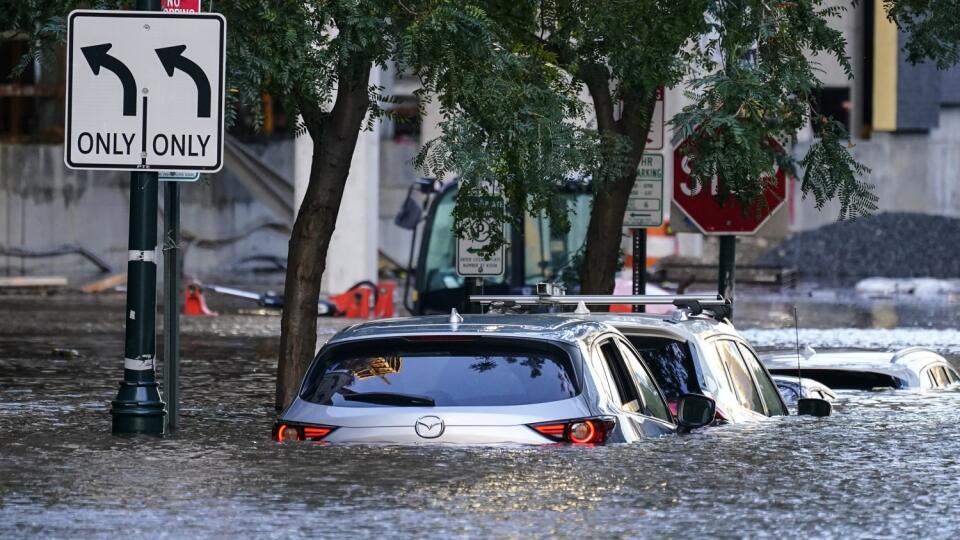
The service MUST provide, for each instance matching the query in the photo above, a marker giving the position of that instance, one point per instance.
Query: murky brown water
(885, 465)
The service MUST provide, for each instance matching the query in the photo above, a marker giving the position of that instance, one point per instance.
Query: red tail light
(577, 431)
(288, 432)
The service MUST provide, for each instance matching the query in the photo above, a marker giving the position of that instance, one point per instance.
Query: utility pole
(725, 274)
(138, 408)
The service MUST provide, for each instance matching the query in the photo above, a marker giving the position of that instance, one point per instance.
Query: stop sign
(699, 202)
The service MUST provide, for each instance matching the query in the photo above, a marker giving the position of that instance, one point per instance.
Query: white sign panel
(645, 206)
(472, 264)
(655, 136)
(145, 91)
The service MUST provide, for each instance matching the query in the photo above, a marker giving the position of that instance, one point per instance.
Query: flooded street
(884, 465)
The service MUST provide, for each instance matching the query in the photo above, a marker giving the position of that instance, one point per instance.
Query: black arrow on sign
(172, 58)
(97, 57)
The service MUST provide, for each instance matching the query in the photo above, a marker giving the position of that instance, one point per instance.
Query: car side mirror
(694, 411)
(814, 407)
(410, 213)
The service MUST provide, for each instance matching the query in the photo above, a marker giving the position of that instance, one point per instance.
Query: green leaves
(932, 27)
(758, 86)
(830, 172)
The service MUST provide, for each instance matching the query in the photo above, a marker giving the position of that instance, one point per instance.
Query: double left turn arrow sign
(161, 104)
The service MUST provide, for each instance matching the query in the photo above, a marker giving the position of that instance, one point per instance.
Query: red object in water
(194, 305)
(354, 303)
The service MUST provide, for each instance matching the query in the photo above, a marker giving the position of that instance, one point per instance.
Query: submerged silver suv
(481, 379)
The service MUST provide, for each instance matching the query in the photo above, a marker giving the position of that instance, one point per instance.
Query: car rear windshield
(839, 379)
(482, 372)
(670, 363)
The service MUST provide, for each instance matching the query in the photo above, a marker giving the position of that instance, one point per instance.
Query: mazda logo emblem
(429, 427)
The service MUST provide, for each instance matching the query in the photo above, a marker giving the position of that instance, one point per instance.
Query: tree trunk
(334, 139)
(598, 272)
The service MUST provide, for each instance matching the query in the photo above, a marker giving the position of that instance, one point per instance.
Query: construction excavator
(534, 254)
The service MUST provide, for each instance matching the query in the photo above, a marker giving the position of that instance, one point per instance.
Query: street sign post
(644, 209)
(655, 136)
(145, 91)
(699, 203)
(129, 76)
(171, 263)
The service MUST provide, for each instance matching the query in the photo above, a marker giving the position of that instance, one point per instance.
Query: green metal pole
(728, 255)
(138, 408)
(171, 302)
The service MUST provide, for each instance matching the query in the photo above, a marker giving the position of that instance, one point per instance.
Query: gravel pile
(885, 245)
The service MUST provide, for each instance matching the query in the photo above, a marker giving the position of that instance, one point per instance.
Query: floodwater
(884, 465)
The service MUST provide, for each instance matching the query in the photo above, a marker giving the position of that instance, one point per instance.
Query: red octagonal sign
(699, 203)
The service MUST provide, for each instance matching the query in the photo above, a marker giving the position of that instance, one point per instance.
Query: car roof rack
(549, 295)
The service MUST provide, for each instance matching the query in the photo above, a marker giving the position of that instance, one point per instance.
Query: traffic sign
(180, 6)
(145, 91)
(699, 202)
(470, 263)
(655, 136)
(645, 206)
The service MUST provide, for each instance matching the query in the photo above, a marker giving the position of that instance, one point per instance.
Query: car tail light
(288, 432)
(577, 431)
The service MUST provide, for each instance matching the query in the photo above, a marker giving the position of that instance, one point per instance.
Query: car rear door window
(398, 373)
(743, 383)
(768, 390)
(670, 363)
(652, 400)
(626, 391)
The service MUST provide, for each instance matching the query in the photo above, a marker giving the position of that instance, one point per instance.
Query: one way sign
(145, 91)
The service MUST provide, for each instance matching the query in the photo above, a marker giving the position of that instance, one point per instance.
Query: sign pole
(639, 266)
(171, 265)
(171, 302)
(725, 275)
(138, 408)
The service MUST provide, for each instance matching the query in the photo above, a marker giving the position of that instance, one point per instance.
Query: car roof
(687, 329)
(905, 364)
(537, 326)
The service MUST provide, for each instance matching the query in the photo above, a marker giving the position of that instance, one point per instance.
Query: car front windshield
(452, 374)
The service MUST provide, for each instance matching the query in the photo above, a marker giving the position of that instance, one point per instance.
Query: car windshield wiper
(390, 398)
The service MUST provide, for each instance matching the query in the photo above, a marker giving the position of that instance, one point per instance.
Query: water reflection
(885, 464)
